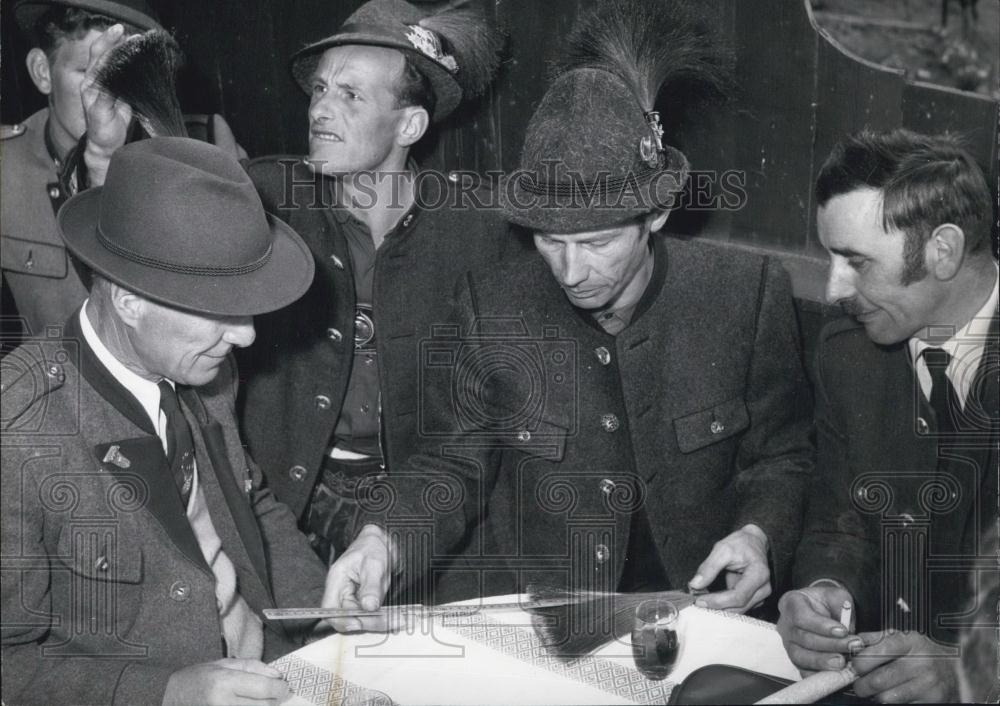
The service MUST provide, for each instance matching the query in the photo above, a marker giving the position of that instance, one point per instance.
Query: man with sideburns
(905, 494)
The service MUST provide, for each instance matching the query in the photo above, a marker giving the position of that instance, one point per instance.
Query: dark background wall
(799, 93)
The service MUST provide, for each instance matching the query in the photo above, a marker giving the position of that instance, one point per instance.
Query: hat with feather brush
(593, 154)
(453, 44)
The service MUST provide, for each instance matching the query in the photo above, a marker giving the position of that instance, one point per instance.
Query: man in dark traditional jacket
(620, 410)
(907, 418)
(331, 387)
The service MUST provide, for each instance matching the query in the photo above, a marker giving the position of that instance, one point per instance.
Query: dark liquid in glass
(655, 650)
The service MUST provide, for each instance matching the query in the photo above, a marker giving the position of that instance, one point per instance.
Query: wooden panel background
(799, 94)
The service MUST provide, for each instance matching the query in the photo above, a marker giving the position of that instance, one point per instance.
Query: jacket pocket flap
(711, 425)
(32, 258)
(101, 552)
(542, 439)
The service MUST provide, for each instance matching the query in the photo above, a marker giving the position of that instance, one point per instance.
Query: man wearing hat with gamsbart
(66, 36)
(659, 437)
(331, 389)
(139, 546)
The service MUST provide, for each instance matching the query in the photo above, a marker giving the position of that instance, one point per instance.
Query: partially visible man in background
(67, 36)
(907, 416)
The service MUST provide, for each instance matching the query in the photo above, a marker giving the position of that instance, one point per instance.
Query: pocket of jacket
(101, 553)
(33, 258)
(711, 425)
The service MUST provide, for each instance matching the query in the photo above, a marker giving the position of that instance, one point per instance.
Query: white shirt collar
(144, 390)
(966, 348)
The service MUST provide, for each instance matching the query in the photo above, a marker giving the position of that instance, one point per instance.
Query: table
(495, 658)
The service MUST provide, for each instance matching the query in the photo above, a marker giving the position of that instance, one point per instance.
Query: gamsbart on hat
(594, 154)
(179, 221)
(454, 46)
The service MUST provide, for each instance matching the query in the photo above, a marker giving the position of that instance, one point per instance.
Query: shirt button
(53, 192)
(922, 426)
(524, 435)
(607, 486)
(101, 564)
(337, 262)
(408, 220)
(717, 427)
(609, 423)
(334, 335)
(180, 591)
(601, 553)
(603, 355)
(297, 472)
(365, 408)
(369, 361)
(322, 402)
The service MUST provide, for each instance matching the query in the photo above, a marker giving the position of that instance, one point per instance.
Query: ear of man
(39, 70)
(657, 219)
(945, 251)
(129, 306)
(412, 125)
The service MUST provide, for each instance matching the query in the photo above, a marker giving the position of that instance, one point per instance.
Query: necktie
(944, 401)
(180, 444)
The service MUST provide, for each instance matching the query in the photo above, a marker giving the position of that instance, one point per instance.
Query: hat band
(562, 188)
(182, 269)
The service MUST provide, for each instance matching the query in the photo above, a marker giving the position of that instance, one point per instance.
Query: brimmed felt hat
(590, 159)
(179, 221)
(454, 47)
(594, 153)
(137, 13)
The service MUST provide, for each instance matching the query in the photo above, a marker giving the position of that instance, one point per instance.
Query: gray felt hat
(455, 47)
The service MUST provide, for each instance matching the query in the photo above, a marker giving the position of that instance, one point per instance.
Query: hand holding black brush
(142, 73)
(589, 620)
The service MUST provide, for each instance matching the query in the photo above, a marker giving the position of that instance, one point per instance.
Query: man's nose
(839, 282)
(240, 332)
(574, 266)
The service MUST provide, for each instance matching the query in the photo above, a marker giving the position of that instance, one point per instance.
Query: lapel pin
(115, 457)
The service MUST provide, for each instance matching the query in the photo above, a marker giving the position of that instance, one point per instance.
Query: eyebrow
(847, 252)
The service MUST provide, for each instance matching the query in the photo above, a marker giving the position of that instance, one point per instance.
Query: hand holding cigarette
(816, 625)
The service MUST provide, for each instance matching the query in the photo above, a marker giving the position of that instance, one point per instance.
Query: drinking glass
(655, 640)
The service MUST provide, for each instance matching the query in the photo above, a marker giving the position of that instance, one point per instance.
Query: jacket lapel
(143, 456)
(229, 506)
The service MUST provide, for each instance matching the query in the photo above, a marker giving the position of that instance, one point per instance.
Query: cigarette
(845, 614)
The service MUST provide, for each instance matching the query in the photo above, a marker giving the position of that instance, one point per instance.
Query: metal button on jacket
(524, 435)
(717, 427)
(922, 426)
(322, 402)
(603, 355)
(607, 486)
(54, 192)
(101, 564)
(408, 220)
(334, 335)
(601, 553)
(180, 591)
(297, 472)
(609, 422)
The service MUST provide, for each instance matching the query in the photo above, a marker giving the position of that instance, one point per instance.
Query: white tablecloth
(495, 658)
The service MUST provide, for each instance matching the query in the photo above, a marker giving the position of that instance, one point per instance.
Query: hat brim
(447, 92)
(284, 278)
(27, 13)
(659, 190)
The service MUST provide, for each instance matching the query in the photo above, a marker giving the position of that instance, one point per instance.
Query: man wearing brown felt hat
(37, 175)
(139, 544)
(621, 410)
